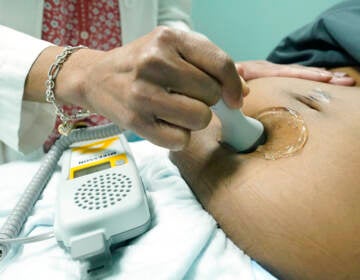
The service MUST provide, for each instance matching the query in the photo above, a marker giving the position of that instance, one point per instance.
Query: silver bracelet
(67, 120)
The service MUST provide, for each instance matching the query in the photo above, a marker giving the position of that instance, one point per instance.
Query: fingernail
(246, 90)
(340, 74)
(245, 87)
(348, 81)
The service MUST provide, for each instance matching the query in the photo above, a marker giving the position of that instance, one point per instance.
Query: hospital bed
(184, 241)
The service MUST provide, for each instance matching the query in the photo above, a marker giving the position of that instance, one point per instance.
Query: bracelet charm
(65, 128)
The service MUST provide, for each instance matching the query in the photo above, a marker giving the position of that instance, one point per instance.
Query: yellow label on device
(95, 146)
(87, 158)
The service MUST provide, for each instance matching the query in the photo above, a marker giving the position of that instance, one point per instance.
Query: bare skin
(298, 216)
(255, 69)
(153, 86)
(160, 86)
(353, 72)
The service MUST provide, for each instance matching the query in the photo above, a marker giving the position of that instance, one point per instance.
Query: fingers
(260, 68)
(322, 75)
(342, 79)
(200, 52)
(307, 73)
(184, 112)
(188, 80)
(179, 110)
(166, 135)
(159, 132)
(164, 118)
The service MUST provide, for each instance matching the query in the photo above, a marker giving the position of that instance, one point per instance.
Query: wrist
(72, 78)
(35, 81)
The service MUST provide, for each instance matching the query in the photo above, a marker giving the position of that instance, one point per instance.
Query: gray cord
(15, 221)
(28, 239)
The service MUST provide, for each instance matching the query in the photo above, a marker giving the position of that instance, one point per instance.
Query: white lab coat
(25, 125)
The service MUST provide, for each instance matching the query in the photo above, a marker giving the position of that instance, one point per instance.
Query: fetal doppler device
(101, 201)
(242, 133)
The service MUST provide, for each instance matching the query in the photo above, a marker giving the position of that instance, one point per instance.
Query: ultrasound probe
(242, 133)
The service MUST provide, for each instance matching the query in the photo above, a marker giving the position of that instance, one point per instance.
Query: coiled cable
(15, 221)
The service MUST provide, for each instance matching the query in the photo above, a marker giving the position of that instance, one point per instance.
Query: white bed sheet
(184, 241)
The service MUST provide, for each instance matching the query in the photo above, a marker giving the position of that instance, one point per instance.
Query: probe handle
(239, 131)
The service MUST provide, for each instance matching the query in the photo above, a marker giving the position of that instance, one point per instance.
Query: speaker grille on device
(103, 191)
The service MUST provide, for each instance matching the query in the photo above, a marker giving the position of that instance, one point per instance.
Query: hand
(260, 68)
(160, 86)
